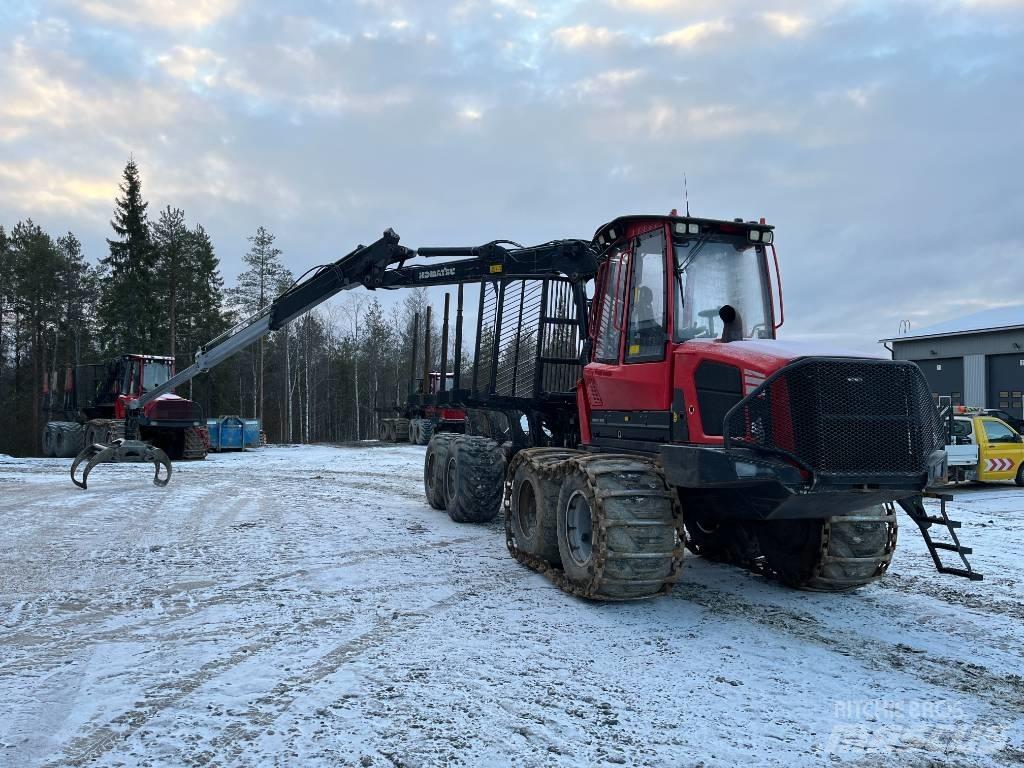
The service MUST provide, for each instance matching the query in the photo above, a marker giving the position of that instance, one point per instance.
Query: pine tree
(256, 288)
(78, 282)
(37, 267)
(129, 316)
(6, 290)
(200, 317)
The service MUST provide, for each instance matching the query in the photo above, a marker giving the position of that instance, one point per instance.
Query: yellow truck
(983, 447)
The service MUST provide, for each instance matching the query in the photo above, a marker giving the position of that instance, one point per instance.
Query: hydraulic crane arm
(361, 267)
(370, 267)
(378, 265)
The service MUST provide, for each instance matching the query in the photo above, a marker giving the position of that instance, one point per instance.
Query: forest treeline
(159, 289)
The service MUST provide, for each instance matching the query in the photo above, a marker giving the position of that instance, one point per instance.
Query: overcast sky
(882, 139)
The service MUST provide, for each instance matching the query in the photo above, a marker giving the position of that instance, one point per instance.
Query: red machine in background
(95, 404)
(429, 407)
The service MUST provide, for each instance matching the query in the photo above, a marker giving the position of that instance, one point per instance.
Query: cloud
(41, 96)
(667, 121)
(170, 14)
(45, 187)
(193, 65)
(786, 25)
(290, 116)
(693, 35)
(608, 81)
(648, 5)
(994, 4)
(584, 35)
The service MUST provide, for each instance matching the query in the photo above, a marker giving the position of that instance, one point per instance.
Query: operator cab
(668, 278)
(671, 293)
(143, 373)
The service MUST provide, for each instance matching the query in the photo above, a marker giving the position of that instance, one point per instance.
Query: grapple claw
(121, 451)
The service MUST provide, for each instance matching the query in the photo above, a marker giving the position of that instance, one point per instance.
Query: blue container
(251, 433)
(228, 433)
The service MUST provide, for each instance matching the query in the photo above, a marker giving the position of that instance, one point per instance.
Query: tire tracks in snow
(105, 738)
(44, 656)
(999, 691)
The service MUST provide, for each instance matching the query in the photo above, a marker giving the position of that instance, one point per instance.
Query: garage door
(945, 377)
(1006, 383)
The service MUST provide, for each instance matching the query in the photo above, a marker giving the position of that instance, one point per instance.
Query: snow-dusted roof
(1000, 318)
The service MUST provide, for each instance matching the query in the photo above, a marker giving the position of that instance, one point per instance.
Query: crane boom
(378, 265)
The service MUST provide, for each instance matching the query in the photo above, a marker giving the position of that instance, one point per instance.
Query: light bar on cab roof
(687, 228)
(761, 236)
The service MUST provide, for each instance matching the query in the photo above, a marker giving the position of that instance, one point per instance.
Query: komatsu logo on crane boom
(432, 273)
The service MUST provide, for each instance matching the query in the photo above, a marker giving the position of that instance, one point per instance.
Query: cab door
(628, 380)
(1000, 449)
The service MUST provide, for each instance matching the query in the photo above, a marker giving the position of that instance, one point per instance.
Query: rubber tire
(478, 487)
(68, 440)
(542, 538)
(47, 442)
(93, 434)
(425, 431)
(193, 442)
(623, 541)
(1019, 479)
(433, 469)
(792, 548)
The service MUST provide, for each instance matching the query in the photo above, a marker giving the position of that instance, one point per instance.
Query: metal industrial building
(976, 360)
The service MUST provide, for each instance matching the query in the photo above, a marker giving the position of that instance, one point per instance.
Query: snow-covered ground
(304, 606)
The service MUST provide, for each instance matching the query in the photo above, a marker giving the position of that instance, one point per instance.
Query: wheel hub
(579, 527)
(526, 509)
(449, 479)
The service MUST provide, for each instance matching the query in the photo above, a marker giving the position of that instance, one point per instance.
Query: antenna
(686, 195)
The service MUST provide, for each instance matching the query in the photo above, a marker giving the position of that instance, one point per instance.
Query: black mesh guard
(845, 418)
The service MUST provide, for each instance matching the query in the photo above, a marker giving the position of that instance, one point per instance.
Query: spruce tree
(169, 237)
(129, 314)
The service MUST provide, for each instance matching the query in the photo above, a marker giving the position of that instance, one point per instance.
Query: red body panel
(755, 365)
(445, 414)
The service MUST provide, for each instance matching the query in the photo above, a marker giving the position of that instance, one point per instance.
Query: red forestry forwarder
(94, 408)
(655, 411)
(428, 408)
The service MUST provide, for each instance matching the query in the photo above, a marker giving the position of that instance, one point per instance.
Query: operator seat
(648, 332)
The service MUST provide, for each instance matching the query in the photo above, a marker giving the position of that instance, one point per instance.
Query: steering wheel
(710, 314)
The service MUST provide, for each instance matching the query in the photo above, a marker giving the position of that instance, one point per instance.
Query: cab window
(997, 432)
(645, 340)
(610, 330)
